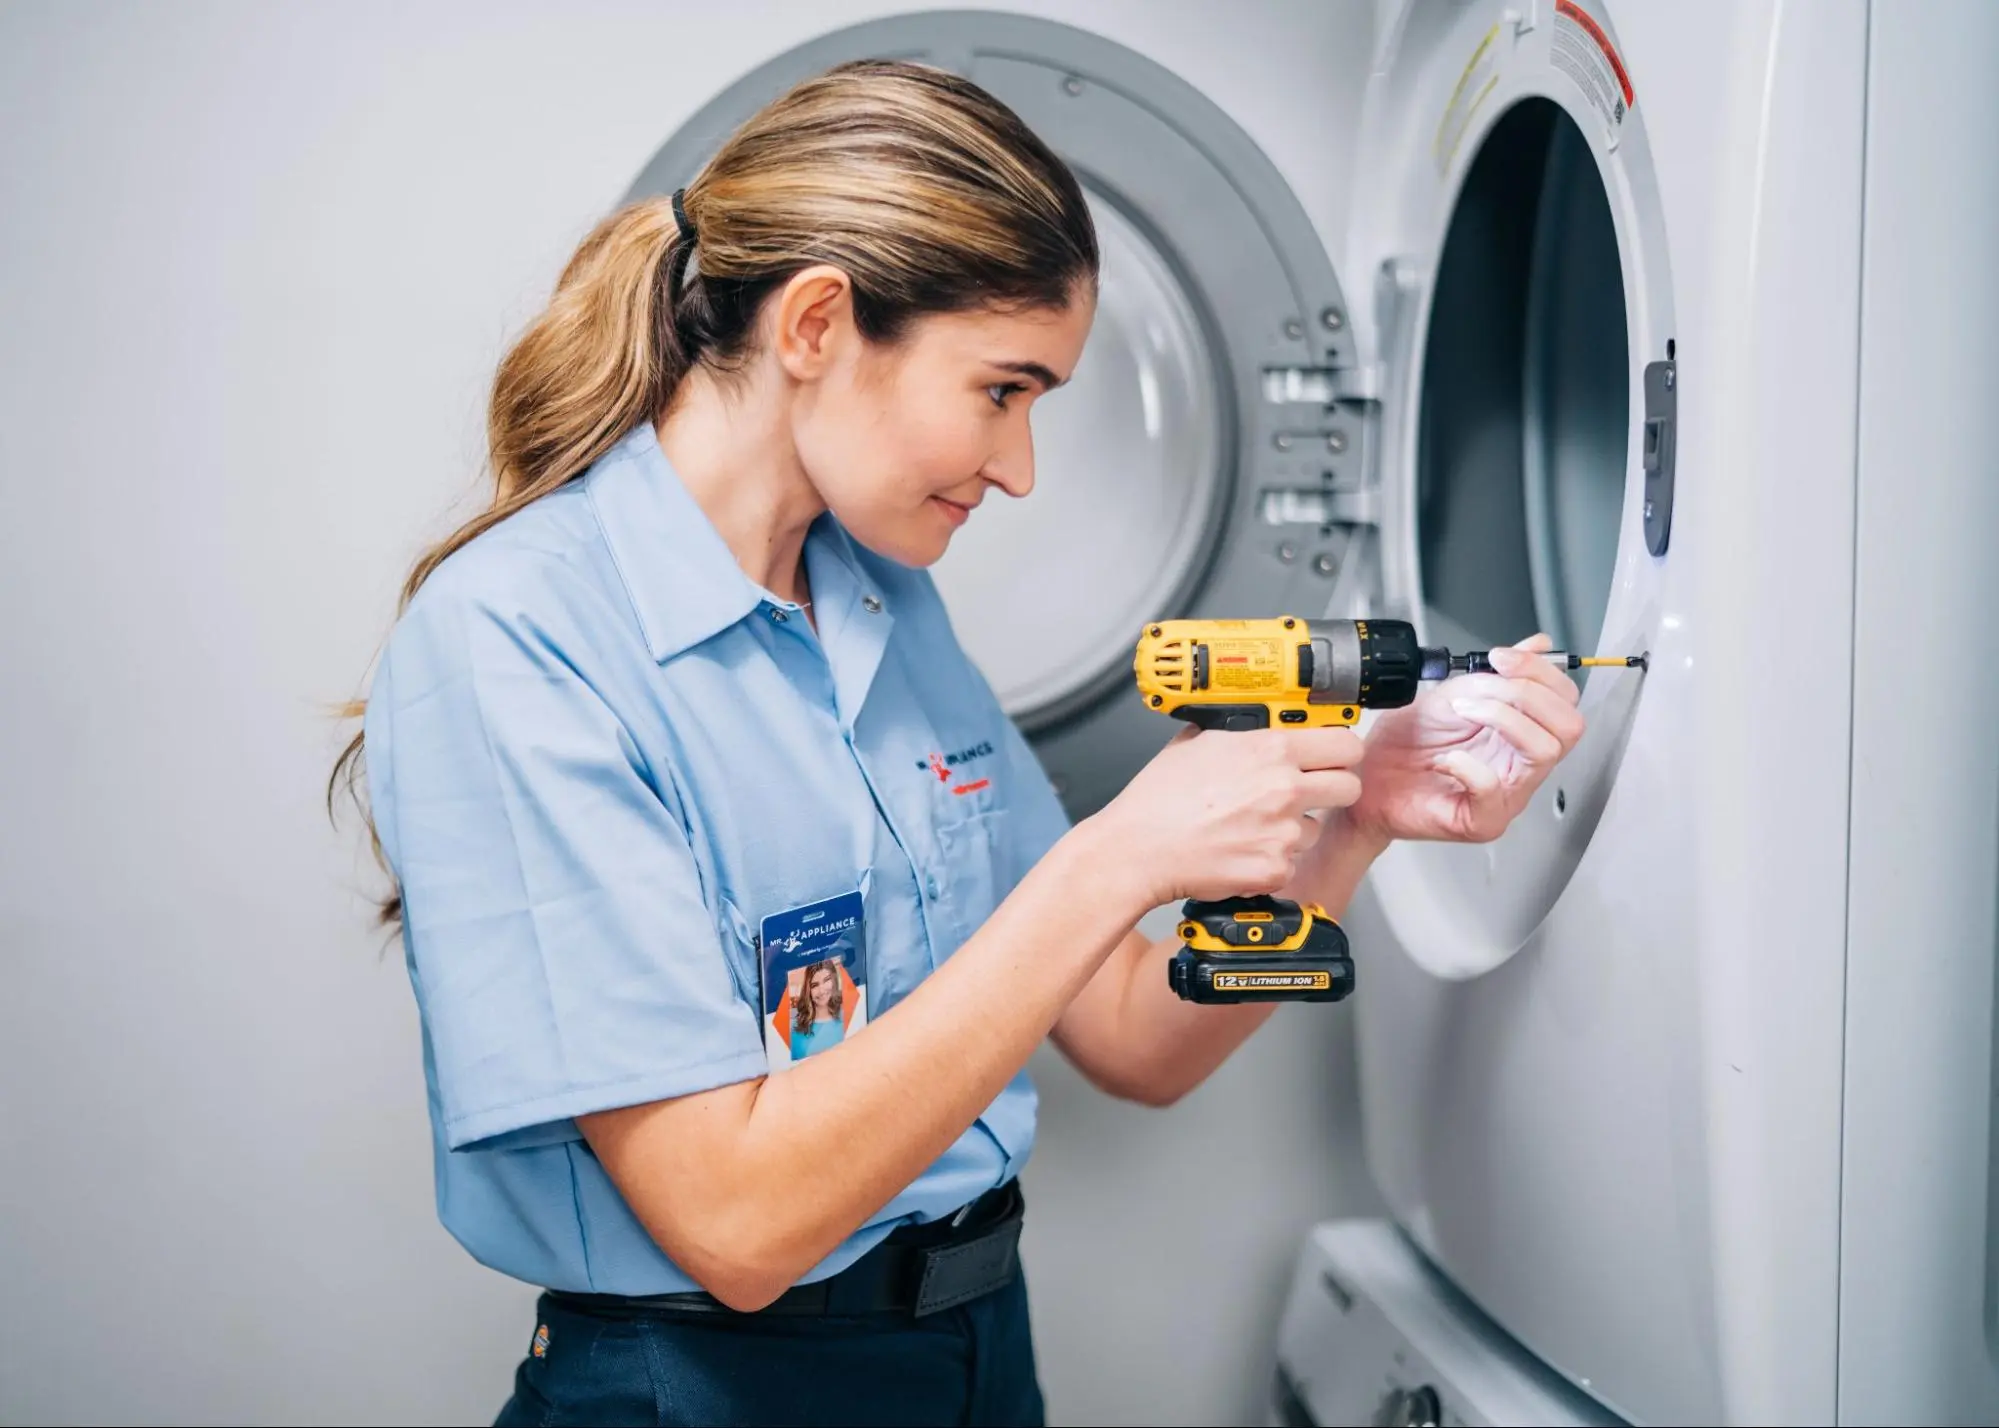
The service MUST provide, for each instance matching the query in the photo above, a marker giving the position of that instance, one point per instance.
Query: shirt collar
(683, 579)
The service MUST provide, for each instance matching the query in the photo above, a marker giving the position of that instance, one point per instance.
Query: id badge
(814, 978)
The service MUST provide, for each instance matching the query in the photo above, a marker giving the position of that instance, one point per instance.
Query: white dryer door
(1526, 1027)
(1521, 329)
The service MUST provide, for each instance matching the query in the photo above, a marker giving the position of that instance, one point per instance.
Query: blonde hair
(930, 194)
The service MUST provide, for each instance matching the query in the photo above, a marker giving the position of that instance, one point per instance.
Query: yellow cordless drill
(1307, 674)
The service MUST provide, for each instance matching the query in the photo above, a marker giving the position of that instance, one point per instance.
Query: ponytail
(601, 358)
(929, 193)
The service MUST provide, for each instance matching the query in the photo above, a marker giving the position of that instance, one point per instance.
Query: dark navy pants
(972, 1365)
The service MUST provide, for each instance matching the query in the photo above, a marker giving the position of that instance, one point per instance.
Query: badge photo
(814, 978)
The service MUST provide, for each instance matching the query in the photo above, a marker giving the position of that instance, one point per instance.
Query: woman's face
(903, 441)
(821, 991)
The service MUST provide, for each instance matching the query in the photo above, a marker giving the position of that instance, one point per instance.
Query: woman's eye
(1001, 391)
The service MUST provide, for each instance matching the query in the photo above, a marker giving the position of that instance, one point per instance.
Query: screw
(1336, 442)
(1157, 700)
(1648, 508)
(1282, 441)
(1155, 632)
(1294, 328)
(1072, 85)
(1333, 318)
(1290, 623)
(1287, 552)
(1323, 563)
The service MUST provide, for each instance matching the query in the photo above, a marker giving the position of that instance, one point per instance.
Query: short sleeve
(563, 956)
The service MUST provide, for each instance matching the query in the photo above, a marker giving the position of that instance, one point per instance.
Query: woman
(815, 1016)
(747, 421)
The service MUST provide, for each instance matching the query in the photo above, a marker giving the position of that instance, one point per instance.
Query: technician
(687, 678)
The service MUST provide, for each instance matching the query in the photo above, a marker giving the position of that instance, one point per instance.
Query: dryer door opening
(1522, 507)
(1522, 446)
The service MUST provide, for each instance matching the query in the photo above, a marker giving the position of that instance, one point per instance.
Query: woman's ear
(814, 321)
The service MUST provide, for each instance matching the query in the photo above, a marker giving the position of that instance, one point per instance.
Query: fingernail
(1505, 659)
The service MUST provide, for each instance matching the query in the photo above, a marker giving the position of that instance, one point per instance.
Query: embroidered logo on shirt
(946, 767)
(540, 1346)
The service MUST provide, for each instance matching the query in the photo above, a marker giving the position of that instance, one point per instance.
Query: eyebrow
(1049, 381)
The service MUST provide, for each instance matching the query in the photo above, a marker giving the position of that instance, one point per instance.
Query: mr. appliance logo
(946, 767)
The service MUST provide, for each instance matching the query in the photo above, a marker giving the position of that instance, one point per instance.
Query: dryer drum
(1524, 433)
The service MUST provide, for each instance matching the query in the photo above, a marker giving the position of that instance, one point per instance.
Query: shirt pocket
(972, 862)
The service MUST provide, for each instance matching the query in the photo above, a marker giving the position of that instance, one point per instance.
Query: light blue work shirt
(599, 756)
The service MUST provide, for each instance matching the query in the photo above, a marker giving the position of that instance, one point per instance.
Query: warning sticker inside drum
(1585, 54)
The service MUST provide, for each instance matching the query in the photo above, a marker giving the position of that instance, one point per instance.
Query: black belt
(918, 1270)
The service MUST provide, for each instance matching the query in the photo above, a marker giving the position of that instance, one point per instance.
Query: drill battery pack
(1260, 949)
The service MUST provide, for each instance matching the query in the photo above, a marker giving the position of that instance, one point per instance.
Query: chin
(905, 543)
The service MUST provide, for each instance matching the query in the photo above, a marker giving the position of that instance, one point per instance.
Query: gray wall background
(256, 265)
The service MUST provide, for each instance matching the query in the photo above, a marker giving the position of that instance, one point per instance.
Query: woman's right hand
(1218, 815)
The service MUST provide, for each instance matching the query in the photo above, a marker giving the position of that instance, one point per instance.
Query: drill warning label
(1273, 981)
(1244, 665)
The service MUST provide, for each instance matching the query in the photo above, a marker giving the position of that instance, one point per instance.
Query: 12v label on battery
(1273, 981)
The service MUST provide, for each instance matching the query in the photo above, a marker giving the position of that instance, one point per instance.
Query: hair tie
(676, 274)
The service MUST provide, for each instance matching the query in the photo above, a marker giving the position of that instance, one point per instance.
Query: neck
(734, 453)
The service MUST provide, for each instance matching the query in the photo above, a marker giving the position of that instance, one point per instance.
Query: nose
(1011, 467)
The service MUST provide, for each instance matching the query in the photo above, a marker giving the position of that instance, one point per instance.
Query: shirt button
(930, 884)
(779, 616)
(871, 605)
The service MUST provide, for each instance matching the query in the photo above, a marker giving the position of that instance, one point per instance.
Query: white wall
(256, 264)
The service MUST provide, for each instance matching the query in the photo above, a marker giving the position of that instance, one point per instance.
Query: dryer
(1642, 311)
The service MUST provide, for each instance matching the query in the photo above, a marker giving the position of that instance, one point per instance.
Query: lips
(954, 512)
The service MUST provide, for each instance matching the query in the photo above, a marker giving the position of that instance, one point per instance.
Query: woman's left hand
(1462, 761)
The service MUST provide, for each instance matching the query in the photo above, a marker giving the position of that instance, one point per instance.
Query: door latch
(1662, 402)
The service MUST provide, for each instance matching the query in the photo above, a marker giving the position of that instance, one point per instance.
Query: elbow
(1157, 1096)
(745, 1288)
(1156, 1091)
(740, 1264)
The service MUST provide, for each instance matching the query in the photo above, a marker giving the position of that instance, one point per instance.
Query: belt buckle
(957, 1274)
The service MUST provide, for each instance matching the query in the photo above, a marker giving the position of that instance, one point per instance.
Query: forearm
(1135, 1038)
(869, 1114)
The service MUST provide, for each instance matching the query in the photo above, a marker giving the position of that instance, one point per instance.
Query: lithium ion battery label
(1585, 54)
(1273, 981)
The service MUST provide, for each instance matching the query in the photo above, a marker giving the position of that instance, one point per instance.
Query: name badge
(814, 978)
